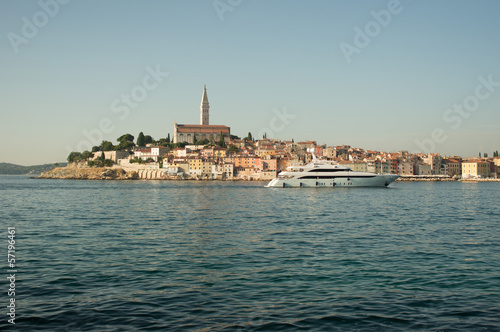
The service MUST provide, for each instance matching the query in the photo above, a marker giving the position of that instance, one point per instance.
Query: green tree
(86, 155)
(106, 146)
(126, 145)
(74, 157)
(168, 138)
(221, 142)
(163, 142)
(140, 139)
(148, 139)
(233, 148)
(485, 155)
(194, 139)
(202, 142)
(249, 136)
(479, 154)
(95, 148)
(126, 137)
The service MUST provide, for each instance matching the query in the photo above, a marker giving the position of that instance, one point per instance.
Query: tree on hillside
(125, 145)
(95, 148)
(168, 138)
(163, 142)
(140, 139)
(249, 136)
(202, 142)
(106, 146)
(126, 142)
(479, 154)
(74, 157)
(148, 139)
(221, 142)
(126, 137)
(86, 155)
(485, 155)
(194, 139)
(233, 148)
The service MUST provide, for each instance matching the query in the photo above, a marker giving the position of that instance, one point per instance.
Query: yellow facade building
(475, 169)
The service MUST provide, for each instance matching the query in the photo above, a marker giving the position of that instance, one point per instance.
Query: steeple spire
(204, 107)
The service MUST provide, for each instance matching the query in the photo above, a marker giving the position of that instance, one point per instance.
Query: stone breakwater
(480, 180)
(427, 179)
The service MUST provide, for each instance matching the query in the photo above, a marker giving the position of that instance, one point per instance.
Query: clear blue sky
(262, 56)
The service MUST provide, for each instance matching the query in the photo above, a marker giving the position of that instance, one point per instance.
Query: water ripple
(207, 256)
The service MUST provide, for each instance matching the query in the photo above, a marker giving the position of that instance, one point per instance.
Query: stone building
(187, 132)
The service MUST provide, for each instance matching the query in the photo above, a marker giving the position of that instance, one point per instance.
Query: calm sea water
(140, 256)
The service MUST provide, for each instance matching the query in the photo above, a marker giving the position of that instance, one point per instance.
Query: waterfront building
(423, 169)
(199, 167)
(359, 166)
(453, 166)
(180, 163)
(228, 170)
(435, 161)
(188, 133)
(475, 169)
(406, 168)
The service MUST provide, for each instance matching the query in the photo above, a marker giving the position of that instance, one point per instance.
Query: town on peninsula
(211, 152)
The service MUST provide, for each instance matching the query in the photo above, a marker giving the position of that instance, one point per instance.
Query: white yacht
(319, 173)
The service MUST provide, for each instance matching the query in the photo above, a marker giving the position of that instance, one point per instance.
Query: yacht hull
(342, 182)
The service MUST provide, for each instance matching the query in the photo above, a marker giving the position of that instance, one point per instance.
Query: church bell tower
(204, 108)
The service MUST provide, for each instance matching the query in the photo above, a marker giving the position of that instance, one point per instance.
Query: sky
(421, 76)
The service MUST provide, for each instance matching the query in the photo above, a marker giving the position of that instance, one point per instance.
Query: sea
(236, 256)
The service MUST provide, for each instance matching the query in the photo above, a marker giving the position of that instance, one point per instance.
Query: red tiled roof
(206, 129)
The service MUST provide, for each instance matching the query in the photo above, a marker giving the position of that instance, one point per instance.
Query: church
(186, 132)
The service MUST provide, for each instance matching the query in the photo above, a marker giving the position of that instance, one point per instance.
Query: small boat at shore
(320, 173)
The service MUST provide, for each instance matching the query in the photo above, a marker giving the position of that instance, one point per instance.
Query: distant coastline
(13, 169)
